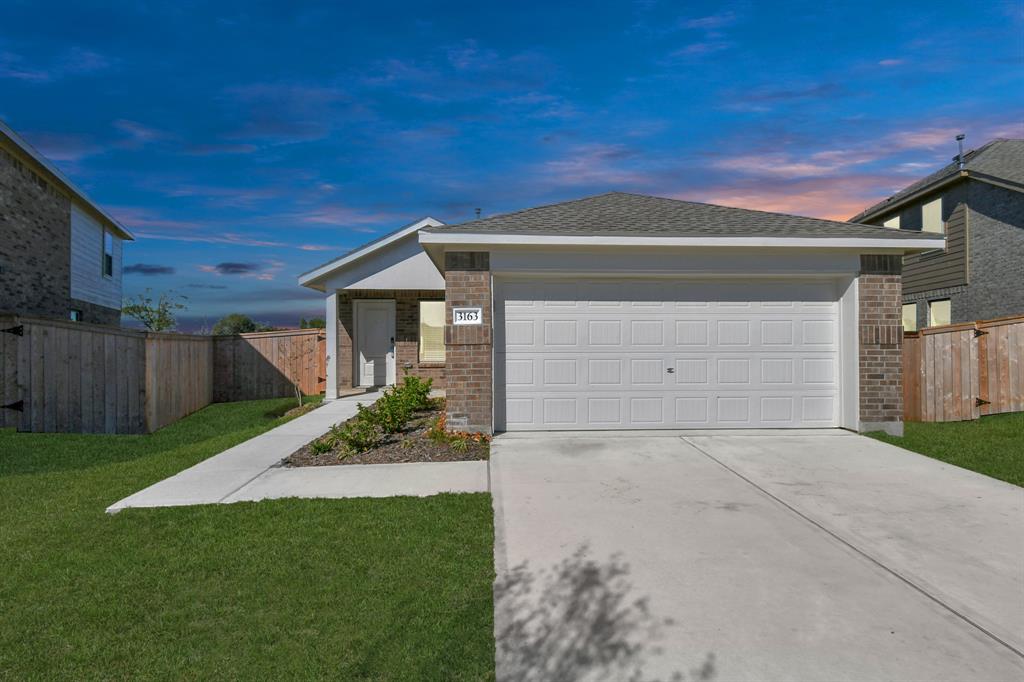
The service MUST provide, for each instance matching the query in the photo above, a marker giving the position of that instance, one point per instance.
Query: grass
(993, 445)
(344, 589)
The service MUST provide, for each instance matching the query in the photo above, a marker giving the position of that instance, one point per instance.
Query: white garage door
(666, 354)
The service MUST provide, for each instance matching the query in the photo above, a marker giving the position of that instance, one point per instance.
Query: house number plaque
(467, 316)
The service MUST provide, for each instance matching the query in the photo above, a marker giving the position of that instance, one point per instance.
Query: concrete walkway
(768, 556)
(214, 479)
(417, 479)
(249, 471)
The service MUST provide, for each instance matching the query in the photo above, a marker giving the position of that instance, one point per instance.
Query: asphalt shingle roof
(1000, 159)
(637, 215)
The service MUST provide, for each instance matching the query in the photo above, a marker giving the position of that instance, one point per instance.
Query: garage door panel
(605, 354)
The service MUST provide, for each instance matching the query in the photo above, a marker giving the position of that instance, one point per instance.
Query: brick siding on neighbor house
(35, 251)
(469, 357)
(996, 247)
(881, 344)
(407, 335)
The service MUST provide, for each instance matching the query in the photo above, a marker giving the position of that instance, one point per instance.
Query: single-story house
(623, 311)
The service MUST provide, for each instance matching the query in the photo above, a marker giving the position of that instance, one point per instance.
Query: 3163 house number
(467, 316)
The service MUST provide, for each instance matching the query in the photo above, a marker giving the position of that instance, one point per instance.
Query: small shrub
(459, 444)
(362, 432)
(321, 446)
(391, 412)
(415, 392)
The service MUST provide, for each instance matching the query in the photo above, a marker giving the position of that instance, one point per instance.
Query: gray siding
(87, 280)
(997, 251)
(939, 269)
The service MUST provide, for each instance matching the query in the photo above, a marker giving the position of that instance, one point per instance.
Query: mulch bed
(409, 445)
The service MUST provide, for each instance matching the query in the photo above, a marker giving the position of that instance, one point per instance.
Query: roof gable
(357, 259)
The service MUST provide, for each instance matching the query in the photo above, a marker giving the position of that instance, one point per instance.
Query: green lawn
(345, 589)
(993, 446)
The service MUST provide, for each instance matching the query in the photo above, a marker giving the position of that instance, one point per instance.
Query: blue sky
(247, 142)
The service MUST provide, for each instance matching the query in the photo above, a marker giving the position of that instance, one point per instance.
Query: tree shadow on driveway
(578, 620)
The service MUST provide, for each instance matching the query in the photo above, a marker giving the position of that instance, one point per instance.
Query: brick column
(468, 371)
(881, 344)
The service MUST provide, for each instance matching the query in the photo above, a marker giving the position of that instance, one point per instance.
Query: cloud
(283, 112)
(148, 269)
(136, 134)
(601, 165)
(206, 286)
(230, 268)
(64, 146)
(788, 165)
(460, 73)
(890, 62)
(70, 62)
(262, 271)
(216, 149)
(701, 48)
(339, 215)
(315, 247)
(834, 198)
(711, 22)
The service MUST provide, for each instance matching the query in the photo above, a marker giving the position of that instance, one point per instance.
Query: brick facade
(469, 347)
(880, 334)
(35, 250)
(407, 333)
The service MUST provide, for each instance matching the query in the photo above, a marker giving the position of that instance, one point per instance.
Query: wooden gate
(964, 371)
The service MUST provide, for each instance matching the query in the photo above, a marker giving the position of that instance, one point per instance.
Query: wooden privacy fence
(75, 378)
(269, 364)
(964, 371)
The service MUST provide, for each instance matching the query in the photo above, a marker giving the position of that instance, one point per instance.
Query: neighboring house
(623, 311)
(979, 206)
(60, 253)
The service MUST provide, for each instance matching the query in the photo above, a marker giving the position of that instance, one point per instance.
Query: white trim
(20, 142)
(901, 245)
(391, 369)
(327, 268)
(331, 320)
(849, 355)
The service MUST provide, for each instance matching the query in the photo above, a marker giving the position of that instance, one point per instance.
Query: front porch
(384, 334)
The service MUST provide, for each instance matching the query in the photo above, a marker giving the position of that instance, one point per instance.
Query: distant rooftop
(999, 159)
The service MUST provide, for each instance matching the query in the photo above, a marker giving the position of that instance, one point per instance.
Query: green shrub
(391, 412)
(362, 432)
(416, 392)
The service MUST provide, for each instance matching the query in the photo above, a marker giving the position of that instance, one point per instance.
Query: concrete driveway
(751, 556)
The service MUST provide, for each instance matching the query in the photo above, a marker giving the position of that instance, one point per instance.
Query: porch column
(467, 282)
(881, 344)
(331, 320)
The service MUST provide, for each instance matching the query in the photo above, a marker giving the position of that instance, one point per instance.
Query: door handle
(671, 370)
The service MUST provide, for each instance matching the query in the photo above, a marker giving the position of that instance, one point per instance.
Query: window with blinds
(431, 331)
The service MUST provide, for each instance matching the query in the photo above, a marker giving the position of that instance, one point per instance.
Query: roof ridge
(531, 208)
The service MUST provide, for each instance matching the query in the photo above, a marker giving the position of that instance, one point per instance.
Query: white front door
(375, 342)
(667, 354)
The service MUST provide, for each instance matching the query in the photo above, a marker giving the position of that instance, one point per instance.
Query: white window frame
(419, 332)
